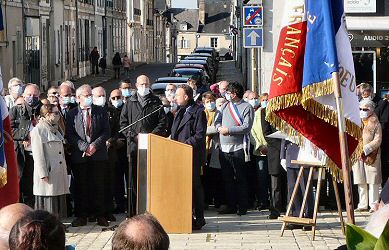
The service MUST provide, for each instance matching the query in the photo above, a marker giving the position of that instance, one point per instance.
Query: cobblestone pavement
(252, 231)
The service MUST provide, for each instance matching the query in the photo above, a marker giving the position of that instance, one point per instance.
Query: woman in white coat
(367, 172)
(50, 176)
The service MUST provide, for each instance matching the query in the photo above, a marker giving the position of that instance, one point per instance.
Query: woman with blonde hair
(50, 175)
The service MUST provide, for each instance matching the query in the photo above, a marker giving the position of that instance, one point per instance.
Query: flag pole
(344, 150)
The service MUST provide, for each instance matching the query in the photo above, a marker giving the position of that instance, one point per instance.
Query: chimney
(202, 11)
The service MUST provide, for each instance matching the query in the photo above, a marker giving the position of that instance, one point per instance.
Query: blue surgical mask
(17, 89)
(73, 99)
(254, 103)
(117, 103)
(210, 106)
(66, 100)
(174, 106)
(264, 104)
(88, 101)
(126, 92)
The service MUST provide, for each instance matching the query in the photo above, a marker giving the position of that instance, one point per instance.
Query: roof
(189, 16)
(217, 17)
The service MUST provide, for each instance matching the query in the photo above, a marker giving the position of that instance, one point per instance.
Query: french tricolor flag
(9, 180)
(313, 44)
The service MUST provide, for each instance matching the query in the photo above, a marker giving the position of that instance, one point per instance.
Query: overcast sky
(188, 4)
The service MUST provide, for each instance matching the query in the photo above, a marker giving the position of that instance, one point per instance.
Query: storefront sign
(360, 6)
(369, 38)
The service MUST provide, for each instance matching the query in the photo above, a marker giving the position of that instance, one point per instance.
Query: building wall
(11, 49)
(223, 44)
(191, 38)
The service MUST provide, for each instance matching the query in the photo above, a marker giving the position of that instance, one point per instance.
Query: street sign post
(253, 15)
(253, 37)
(252, 1)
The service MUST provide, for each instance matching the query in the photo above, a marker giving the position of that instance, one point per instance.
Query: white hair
(367, 103)
(29, 85)
(68, 83)
(94, 90)
(82, 88)
(14, 81)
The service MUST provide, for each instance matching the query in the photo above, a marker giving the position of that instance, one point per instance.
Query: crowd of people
(74, 161)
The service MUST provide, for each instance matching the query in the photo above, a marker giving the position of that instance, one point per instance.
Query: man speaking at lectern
(143, 103)
(189, 127)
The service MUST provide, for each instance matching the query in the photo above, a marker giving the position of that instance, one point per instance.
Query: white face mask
(142, 91)
(99, 101)
(169, 93)
(254, 103)
(364, 114)
(167, 109)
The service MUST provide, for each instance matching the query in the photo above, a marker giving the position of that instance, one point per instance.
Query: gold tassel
(3, 177)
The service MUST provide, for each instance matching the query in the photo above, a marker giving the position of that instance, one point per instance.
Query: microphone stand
(130, 188)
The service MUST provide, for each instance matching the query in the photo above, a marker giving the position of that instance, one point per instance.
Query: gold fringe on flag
(330, 116)
(321, 111)
(3, 177)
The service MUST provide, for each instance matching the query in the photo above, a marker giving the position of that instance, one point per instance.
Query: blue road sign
(253, 15)
(253, 37)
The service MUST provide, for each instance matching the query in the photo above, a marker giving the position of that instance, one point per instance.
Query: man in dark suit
(137, 106)
(190, 126)
(277, 174)
(87, 130)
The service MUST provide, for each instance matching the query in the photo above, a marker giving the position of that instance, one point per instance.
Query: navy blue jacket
(75, 134)
(190, 127)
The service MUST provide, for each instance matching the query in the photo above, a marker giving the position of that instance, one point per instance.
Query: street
(252, 231)
(153, 71)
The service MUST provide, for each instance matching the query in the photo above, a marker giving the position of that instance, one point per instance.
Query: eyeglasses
(116, 97)
(364, 109)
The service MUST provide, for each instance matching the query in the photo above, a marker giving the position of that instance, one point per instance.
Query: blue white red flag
(313, 44)
(9, 180)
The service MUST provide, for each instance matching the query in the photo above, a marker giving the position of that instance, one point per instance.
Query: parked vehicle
(208, 68)
(160, 84)
(198, 74)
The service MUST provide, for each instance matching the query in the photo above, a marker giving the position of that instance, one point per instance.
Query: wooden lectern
(165, 181)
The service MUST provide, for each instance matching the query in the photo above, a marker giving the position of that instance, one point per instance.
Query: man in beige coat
(367, 172)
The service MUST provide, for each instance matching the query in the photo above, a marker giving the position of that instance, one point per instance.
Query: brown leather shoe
(101, 221)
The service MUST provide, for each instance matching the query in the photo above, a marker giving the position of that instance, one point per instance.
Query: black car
(197, 74)
(208, 67)
(160, 84)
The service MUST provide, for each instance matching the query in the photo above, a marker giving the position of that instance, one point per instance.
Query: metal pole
(344, 150)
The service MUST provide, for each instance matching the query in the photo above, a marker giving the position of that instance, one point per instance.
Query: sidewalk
(100, 79)
(251, 231)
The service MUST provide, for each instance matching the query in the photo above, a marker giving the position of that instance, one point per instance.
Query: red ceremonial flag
(301, 99)
(9, 183)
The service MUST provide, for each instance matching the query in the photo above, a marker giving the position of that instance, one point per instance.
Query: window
(183, 44)
(214, 42)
